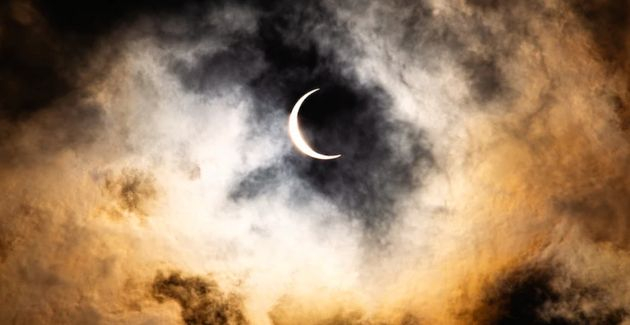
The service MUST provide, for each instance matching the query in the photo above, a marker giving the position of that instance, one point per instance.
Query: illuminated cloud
(147, 175)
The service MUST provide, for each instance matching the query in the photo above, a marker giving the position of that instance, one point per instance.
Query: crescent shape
(296, 135)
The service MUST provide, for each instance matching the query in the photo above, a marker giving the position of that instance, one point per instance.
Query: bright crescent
(296, 135)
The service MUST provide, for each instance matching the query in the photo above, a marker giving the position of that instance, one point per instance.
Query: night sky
(147, 174)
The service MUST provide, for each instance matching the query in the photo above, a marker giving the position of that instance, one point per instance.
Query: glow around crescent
(296, 135)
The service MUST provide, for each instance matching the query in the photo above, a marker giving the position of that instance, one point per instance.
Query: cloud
(484, 162)
(538, 294)
(131, 191)
(201, 301)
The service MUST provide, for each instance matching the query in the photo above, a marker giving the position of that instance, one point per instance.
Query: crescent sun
(296, 135)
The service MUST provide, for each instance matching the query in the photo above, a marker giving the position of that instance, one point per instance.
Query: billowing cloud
(148, 176)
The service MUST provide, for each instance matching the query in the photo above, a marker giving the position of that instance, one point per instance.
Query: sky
(147, 175)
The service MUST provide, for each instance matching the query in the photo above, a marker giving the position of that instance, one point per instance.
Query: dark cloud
(542, 294)
(218, 72)
(44, 46)
(132, 191)
(29, 59)
(89, 21)
(608, 22)
(279, 63)
(201, 300)
(422, 32)
(485, 77)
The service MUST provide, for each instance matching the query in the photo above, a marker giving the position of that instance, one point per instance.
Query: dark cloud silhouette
(201, 300)
(541, 294)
